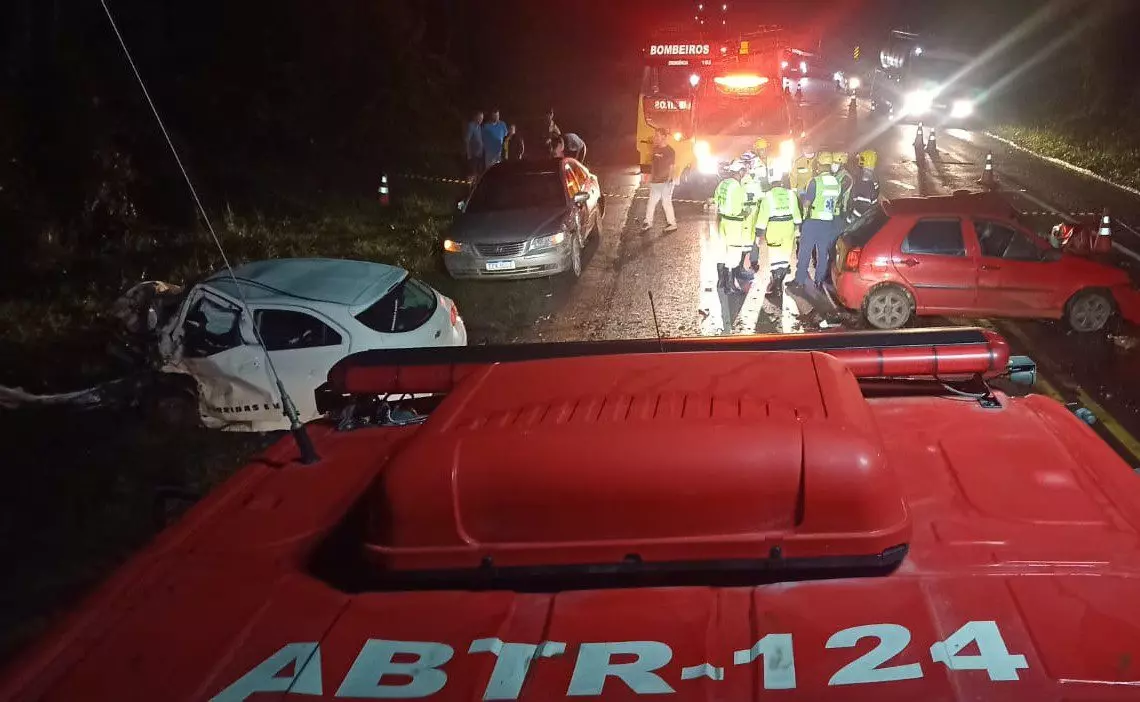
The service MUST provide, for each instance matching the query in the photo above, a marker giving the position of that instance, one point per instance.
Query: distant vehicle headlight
(451, 246)
(706, 164)
(919, 102)
(547, 242)
(854, 83)
(788, 149)
(962, 108)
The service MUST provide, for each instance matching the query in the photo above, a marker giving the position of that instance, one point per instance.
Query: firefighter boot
(775, 291)
(724, 284)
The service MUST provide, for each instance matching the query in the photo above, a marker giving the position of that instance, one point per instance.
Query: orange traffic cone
(382, 191)
(1105, 225)
(988, 178)
(1102, 244)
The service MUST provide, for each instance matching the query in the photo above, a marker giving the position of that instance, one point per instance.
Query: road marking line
(1064, 164)
(1121, 247)
(1122, 435)
(899, 183)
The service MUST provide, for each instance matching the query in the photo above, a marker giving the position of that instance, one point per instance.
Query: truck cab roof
(952, 549)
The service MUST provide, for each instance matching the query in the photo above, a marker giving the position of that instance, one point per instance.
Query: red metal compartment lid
(673, 458)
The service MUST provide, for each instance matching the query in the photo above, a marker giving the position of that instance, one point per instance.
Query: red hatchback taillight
(454, 312)
(851, 260)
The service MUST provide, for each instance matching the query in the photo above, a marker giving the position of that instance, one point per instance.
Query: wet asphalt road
(624, 265)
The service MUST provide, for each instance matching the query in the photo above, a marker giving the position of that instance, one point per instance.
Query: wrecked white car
(309, 313)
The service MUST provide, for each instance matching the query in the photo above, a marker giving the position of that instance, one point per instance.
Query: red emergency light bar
(951, 352)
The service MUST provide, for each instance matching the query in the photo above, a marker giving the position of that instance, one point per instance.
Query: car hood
(507, 225)
(1093, 272)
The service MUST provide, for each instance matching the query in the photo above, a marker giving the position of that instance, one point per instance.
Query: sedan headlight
(961, 109)
(547, 242)
(919, 102)
(452, 246)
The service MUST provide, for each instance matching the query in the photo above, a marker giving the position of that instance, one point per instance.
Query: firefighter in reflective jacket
(730, 210)
(803, 169)
(755, 182)
(841, 171)
(777, 224)
(821, 224)
(865, 191)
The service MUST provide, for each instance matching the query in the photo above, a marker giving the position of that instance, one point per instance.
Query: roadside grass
(54, 328)
(80, 487)
(1111, 152)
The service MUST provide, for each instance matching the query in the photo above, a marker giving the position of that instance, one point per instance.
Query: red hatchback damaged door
(939, 266)
(1015, 278)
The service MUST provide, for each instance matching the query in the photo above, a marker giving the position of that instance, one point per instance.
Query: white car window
(211, 326)
(407, 307)
(282, 330)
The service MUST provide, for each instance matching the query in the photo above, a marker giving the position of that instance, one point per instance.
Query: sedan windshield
(509, 189)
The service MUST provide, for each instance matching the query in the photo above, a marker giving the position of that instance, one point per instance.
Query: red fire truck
(718, 100)
(813, 517)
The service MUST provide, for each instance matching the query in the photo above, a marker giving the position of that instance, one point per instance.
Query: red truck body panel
(1018, 584)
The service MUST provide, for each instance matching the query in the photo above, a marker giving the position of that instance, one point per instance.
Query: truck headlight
(854, 83)
(547, 242)
(918, 102)
(706, 164)
(961, 109)
(788, 150)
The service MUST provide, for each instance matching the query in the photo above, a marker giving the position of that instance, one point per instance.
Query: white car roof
(328, 280)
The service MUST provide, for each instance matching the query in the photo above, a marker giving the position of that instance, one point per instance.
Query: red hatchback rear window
(861, 230)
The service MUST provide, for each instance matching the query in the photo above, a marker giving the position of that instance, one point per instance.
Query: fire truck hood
(1019, 584)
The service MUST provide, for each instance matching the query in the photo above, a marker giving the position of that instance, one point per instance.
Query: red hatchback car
(968, 254)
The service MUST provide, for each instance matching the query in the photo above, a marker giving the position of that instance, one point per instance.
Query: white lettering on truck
(678, 49)
(376, 674)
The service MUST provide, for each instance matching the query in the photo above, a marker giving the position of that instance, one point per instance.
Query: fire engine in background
(718, 100)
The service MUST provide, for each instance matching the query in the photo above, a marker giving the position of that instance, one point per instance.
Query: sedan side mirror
(581, 198)
(462, 205)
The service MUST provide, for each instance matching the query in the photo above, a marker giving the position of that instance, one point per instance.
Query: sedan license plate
(500, 265)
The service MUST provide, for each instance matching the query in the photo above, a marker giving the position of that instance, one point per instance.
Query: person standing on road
(777, 224)
(551, 128)
(661, 181)
(494, 132)
(803, 170)
(842, 173)
(513, 145)
(865, 191)
(731, 214)
(820, 228)
(473, 143)
(575, 147)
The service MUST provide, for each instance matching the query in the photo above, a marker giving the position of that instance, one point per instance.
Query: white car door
(303, 345)
(213, 341)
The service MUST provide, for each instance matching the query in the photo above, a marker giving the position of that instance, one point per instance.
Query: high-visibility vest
(730, 199)
(826, 204)
(754, 188)
(779, 214)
